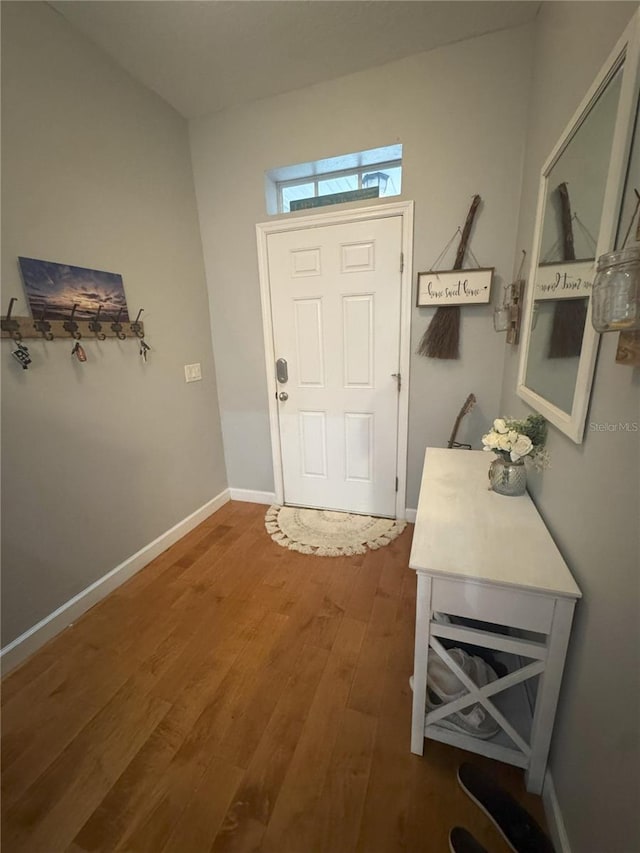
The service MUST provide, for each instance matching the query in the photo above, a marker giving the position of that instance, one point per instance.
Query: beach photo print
(56, 288)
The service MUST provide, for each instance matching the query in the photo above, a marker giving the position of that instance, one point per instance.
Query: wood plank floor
(232, 697)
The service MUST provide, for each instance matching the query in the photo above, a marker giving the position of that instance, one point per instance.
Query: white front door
(335, 297)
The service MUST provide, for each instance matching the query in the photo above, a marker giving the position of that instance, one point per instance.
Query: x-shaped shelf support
(482, 694)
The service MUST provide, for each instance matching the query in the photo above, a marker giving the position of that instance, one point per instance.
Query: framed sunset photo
(55, 288)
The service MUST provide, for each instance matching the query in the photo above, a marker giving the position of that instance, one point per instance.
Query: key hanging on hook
(78, 351)
(144, 349)
(21, 355)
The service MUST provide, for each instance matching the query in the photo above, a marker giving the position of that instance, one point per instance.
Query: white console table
(489, 557)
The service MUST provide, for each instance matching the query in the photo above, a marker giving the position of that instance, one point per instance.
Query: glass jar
(507, 477)
(616, 292)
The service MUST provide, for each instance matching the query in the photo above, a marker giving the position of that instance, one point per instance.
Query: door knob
(283, 396)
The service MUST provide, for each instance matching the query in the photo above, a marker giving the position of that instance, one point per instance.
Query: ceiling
(204, 55)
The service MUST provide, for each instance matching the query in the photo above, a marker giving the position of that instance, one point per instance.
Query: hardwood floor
(234, 696)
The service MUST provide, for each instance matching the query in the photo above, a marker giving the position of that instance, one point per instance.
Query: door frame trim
(403, 209)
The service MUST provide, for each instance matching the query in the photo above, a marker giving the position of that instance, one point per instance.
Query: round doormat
(329, 534)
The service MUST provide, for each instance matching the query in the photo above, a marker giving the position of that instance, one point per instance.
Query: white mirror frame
(626, 51)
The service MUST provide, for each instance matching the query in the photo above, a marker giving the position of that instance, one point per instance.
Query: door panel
(312, 440)
(309, 342)
(358, 440)
(335, 296)
(358, 339)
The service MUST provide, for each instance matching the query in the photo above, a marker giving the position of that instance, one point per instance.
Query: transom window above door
(363, 175)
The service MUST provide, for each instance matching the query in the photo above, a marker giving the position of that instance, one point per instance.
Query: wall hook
(117, 326)
(136, 326)
(71, 326)
(42, 325)
(95, 325)
(9, 325)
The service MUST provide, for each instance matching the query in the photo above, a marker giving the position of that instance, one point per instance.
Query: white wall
(590, 496)
(460, 113)
(98, 459)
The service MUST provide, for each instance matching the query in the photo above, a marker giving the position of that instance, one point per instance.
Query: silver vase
(507, 477)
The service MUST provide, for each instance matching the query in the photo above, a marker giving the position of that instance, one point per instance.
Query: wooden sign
(564, 281)
(454, 287)
(334, 198)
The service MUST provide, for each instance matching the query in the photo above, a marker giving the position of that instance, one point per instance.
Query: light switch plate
(192, 372)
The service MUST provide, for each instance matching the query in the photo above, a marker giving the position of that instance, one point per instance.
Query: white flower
(490, 440)
(505, 439)
(505, 442)
(521, 447)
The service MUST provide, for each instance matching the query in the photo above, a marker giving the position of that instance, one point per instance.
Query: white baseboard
(251, 496)
(26, 644)
(553, 814)
(410, 515)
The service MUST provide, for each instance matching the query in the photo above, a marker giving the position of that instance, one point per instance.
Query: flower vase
(507, 477)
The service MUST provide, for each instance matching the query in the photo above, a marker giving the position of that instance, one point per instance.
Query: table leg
(423, 616)
(548, 691)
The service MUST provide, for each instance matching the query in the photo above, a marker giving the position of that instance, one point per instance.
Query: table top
(468, 532)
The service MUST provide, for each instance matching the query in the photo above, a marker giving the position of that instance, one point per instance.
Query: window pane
(394, 184)
(341, 184)
(318, 184)
(290, 194)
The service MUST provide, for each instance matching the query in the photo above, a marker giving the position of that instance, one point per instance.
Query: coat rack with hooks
(98, 327)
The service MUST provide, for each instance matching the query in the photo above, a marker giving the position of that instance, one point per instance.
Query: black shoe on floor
(520, 830)
(461, 841)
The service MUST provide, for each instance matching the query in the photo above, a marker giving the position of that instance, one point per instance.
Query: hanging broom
(569, 315)
(442, 338)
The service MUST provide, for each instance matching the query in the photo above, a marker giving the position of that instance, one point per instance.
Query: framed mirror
(578, 205)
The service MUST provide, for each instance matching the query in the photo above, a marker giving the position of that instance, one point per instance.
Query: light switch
(192, 372)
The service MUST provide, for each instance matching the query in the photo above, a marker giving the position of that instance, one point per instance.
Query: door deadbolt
(283, 396)
(282, 370)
